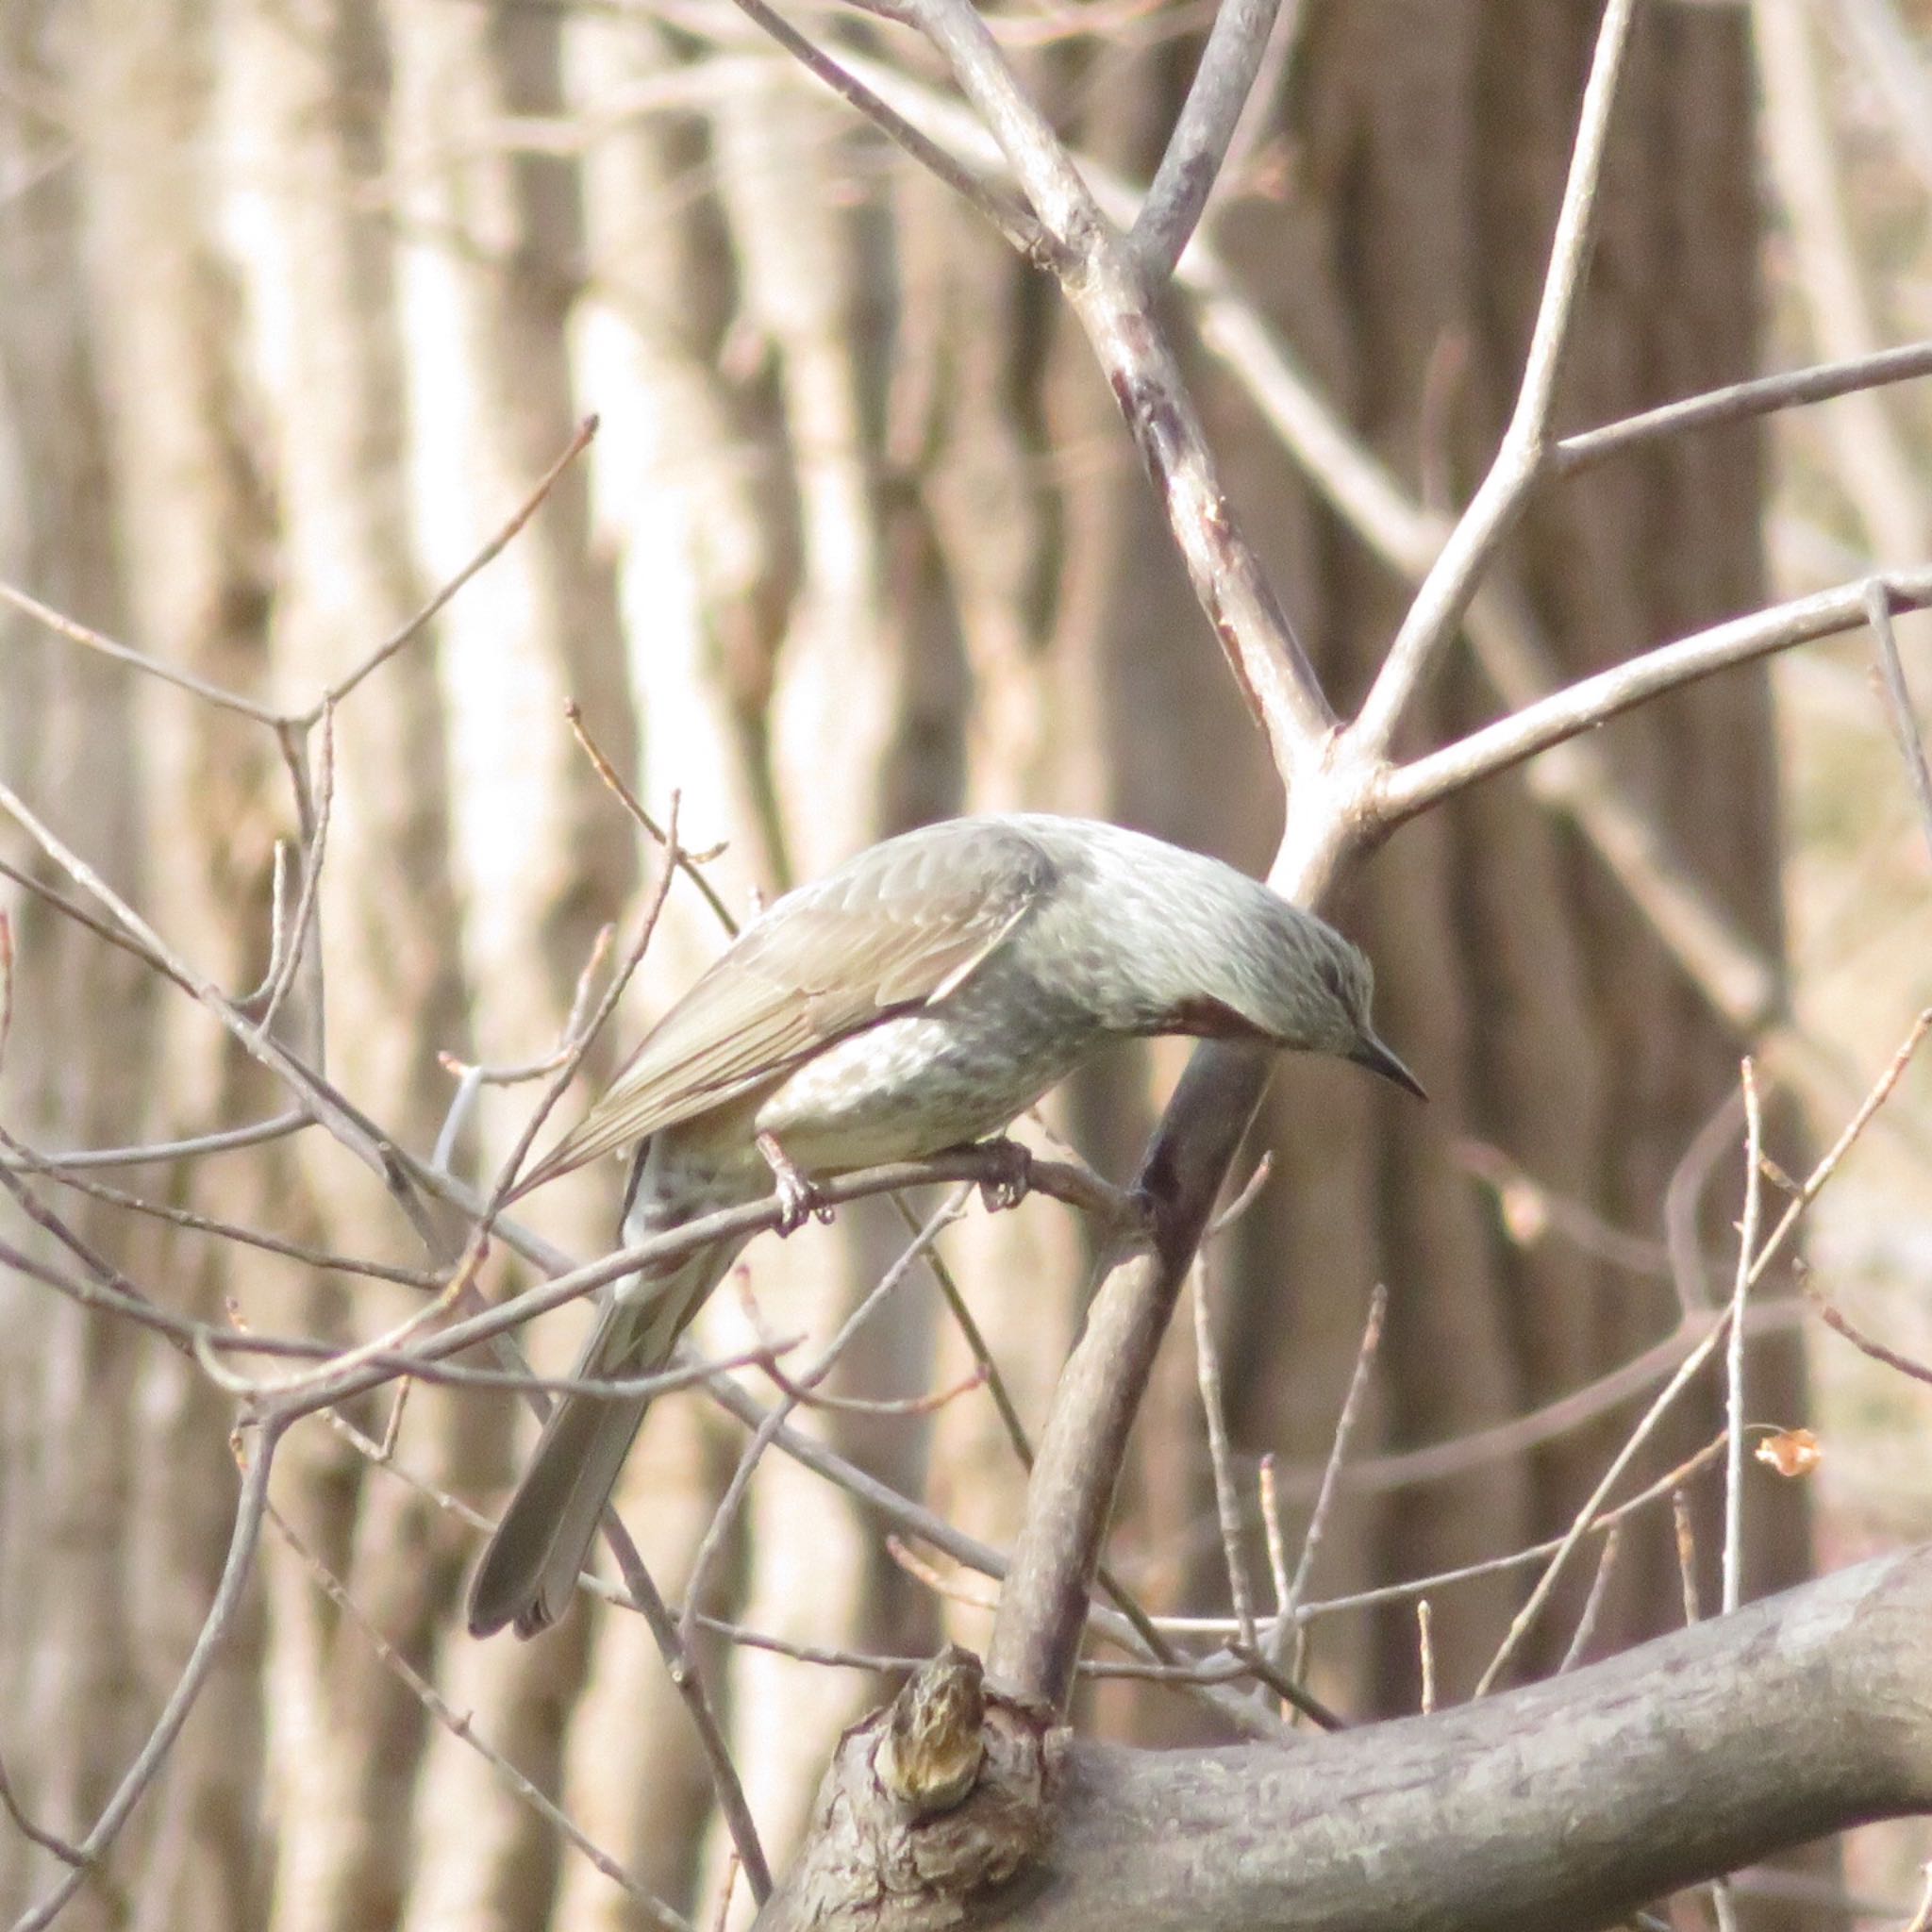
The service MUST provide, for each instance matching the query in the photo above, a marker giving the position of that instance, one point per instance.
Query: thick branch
(1570, 1801)
(1042, 1608)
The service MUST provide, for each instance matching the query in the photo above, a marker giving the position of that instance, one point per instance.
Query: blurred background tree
(303, 294)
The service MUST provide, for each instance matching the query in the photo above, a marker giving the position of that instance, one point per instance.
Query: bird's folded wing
(903, 925)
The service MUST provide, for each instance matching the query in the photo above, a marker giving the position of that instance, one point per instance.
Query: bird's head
(1306, 988)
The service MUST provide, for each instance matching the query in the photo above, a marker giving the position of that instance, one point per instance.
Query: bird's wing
(903, 925)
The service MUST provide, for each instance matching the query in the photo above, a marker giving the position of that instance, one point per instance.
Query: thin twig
(1684, 1202)
(148, 1153)
(1227, 1502)
(1502, 1442)
(1075, 1185)
(724, 1517)
(99, 926)
(1695, 1360)
(1424, 1637)
(1545, 723)
(330, 1108)
(580, 441)
(1592, 1604)
(1278, 1582)
(1734, 1354)
(1685, 1533)
(1835, 1319)
(311, 1256)
(1741, 402)
(34, 1833)
(462, 1727)
(78, 633)
(1469, 1572)
(1898, 703)
(1011, 220)
(1245, 1197)
(685, 862)
(641, 1594)
(208, 1644)
(1338, 1452)
(300, 932)
(1439, 604)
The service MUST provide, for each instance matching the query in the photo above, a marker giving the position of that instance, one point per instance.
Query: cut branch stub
(932, 1806)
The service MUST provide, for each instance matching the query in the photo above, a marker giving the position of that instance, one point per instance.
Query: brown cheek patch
(1209, 1019)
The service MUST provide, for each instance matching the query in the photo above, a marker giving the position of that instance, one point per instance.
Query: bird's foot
(1009, 1177)
(798, 1200)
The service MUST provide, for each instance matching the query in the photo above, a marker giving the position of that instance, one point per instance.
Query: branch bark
(1569, 1802)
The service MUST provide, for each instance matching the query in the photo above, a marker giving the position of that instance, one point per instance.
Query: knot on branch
(930, 1802)
(930, 1753)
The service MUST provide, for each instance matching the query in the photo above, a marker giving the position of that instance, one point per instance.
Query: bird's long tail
(529, 1569)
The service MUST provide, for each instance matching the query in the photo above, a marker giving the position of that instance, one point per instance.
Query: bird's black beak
(1372, 1054)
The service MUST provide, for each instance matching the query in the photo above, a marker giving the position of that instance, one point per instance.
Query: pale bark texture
(303, 296)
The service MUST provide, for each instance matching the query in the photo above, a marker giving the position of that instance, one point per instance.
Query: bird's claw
(798, 1200)
(1009, 1177)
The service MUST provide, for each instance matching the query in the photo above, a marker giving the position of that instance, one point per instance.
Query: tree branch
(1101, 276)
(1570, 1801)
(1437, 610)
(1198, 147)
(208, 1648)
(1412, 787)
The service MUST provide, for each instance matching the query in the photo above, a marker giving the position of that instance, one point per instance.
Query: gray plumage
(918, 998)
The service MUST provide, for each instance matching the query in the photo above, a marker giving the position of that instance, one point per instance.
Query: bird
(917, 999)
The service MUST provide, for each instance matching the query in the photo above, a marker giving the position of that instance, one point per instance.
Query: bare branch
(1229, 64)
(1102, 281)
(1011, 220)
(1734, 1354)
(1592, 1604)
(1227, 1497)
(1401, 794)
(724, 1517)
(1741, 402)
(1760, 1263)
(257, 1133)
(1052, 1178)
(641, 1594)
(1898, 703)
(99, 926)
(1331, 1469)
(460, 1725)
(682, 859)
(34, 1833)
(1439, 605)
(356, 1133)
(78, 633)
(416, 625)
(243, 1542)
